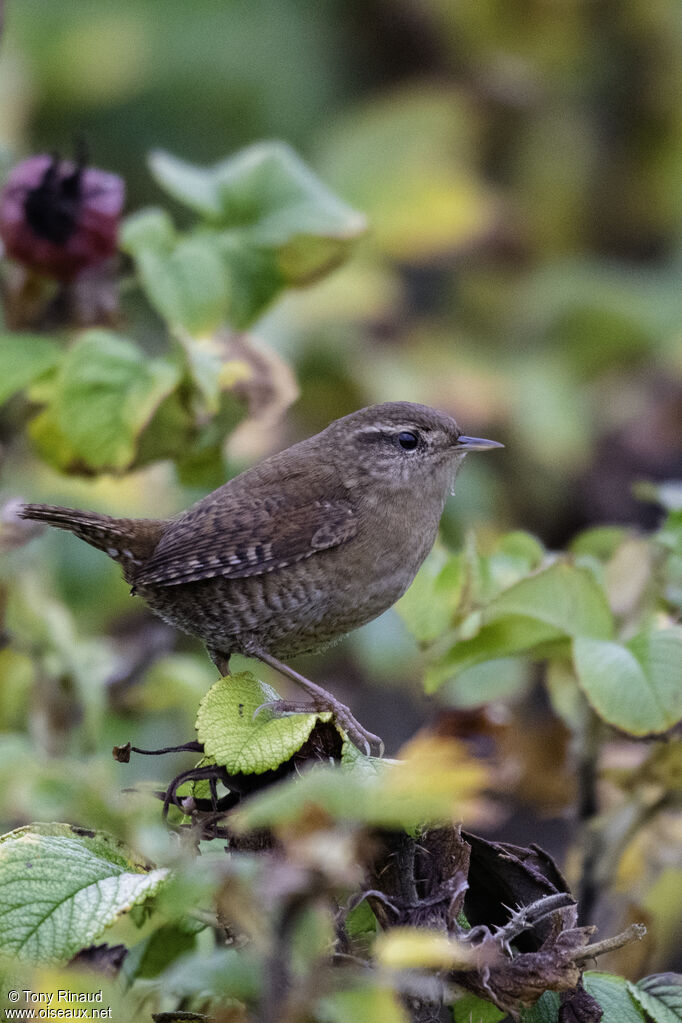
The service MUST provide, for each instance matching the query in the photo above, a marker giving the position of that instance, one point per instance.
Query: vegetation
(494, 254)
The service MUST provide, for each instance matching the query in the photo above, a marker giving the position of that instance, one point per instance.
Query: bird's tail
(130, 541)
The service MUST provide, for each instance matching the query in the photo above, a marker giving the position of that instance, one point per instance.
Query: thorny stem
(635, 932)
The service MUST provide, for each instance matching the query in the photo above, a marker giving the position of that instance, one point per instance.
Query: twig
(591, 839)
(635, 932)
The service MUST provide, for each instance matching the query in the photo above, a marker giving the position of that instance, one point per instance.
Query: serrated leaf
(545, 1010)
(105, 393)
(614, 996)
(243, 744)
(23, 358)
(660, 996)
(62, 887)
(634, 686)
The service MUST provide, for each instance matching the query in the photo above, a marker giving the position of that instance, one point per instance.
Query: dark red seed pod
(59, 218)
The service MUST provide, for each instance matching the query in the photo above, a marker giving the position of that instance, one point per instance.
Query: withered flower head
(58, 217)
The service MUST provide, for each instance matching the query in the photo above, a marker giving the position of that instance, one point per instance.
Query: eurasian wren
(302, 548)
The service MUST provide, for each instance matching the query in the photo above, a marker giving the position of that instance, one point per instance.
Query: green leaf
(509, 636)
(268, 189)
(432, 785)
(105, 393)
(614, 996)
(255, 276)
(670, 533)
(152, 955)
(364, 1002)
(185, 277)
(427, 200)
(360, 920)
(545, 1010)
(660, 996)
(472, 1009)
(150, 228)
(515, 556)
(269, 223)
(634, 686)
(62, 887)
(428, 606)
(563, 597)
(23, 358)
(557, 602)
(243, 744)
(600, 542)
(311, 939)
(226, 973)
(500, 679)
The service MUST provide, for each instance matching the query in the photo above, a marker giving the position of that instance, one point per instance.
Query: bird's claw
(365, 741)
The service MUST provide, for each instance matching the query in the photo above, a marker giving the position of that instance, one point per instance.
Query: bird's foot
(366, 742)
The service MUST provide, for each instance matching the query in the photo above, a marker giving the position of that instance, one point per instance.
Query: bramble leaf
(242, 743)
(63, 886)
(614, 997)
(634, 686)
(660, 996)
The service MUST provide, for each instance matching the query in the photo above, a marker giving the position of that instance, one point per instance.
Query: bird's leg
(322, 701)
(220, 659)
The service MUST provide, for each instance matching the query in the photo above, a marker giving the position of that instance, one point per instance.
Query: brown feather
(129, 541)
(256, 538)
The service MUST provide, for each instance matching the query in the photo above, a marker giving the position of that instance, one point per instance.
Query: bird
(300, 549)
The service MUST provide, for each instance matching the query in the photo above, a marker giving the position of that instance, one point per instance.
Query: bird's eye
(408, 441)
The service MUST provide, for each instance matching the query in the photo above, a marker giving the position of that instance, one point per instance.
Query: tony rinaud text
(48, 997)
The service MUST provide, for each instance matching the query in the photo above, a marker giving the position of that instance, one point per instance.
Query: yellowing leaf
(242, 743)
(419, 948)
(427, 199)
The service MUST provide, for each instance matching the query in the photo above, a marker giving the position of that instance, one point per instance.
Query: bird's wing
(253, 538)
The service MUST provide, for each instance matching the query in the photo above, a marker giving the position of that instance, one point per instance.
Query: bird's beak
(476, 443)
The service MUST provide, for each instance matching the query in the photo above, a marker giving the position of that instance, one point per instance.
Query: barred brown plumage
(293, 553)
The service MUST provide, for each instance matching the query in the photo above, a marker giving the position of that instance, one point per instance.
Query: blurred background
(520, 164)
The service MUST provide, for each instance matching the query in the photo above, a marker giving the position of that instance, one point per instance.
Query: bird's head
(401, 444)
